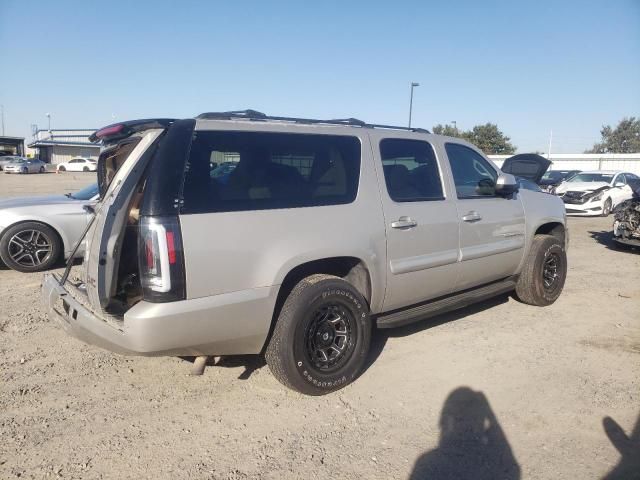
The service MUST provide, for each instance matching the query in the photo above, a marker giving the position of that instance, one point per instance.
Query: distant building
(58, 146)
(12, 146)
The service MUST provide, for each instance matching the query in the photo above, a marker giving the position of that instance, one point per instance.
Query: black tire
(606, 208)
(41, 170)
(544, 273)
(85, 169)
(40, 259)
(62, 169)
(316, 312)
(24, 170)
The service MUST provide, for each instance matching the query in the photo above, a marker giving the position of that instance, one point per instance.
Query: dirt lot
(500, 390)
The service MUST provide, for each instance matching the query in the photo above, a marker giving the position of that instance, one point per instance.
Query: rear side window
(234, 171)
(410, 170)
(473, 176)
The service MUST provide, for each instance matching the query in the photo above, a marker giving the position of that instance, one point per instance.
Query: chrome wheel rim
(30, 248)
(329, 337)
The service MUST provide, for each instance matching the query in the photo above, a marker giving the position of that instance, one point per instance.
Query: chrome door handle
(472, 216)
(404, 223)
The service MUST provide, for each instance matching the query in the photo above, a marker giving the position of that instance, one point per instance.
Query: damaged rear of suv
(239, 233)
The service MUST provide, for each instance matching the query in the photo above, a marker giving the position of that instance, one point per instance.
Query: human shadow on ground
(472, 444)
(628, 468)
(380, 336)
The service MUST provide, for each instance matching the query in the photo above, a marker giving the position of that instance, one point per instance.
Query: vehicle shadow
(472, 443)
(605, 238)
(628, 467)
(380, 336)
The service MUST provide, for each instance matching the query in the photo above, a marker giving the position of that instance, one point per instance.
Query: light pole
(455, 126)
(49, 121)
(413, 85)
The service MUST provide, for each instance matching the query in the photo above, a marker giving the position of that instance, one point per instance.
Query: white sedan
(596, 192)
(78, 165)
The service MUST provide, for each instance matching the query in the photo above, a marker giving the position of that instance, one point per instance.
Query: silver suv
(312, 233)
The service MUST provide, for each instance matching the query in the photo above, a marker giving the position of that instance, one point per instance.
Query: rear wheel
(322, 336)
(545, 270)
(85, 169)
(41, 170)
(30, 247)
(606, 208)
(61, 168)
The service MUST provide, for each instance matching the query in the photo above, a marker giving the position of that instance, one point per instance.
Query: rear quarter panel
(233, 251)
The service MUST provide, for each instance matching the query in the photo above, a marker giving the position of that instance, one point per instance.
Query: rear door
(104, 237)
(492, 228)
(420, 220)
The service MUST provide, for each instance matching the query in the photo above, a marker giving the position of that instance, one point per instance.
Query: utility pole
(455, 126)
(49, 121)
(550, 140)
(413, 85)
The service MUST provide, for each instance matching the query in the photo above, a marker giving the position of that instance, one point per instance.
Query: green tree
(446, 130)
(625, 138)
(487, 137)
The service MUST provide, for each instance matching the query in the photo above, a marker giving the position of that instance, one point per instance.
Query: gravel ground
(500, 390)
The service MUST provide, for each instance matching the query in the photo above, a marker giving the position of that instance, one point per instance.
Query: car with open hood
(321, 230)
(595, 192)
(37, 232)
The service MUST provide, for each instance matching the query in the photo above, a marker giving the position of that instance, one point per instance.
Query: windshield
(592, 177)
(86, 193)
(555, 175)
(18, 160)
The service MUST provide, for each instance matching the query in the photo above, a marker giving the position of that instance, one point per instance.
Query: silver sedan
(25, 165)
(37, 232)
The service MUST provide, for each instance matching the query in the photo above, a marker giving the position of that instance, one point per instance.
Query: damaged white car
(595, 193)
(626, 226)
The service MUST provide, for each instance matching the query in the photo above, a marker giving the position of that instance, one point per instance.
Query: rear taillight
(161, 259)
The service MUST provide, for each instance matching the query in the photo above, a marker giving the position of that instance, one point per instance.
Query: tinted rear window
(234, 171)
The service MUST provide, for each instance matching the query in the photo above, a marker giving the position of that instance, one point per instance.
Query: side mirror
(619, 184)
(506, 184)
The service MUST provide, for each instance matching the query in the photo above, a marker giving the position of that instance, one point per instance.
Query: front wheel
(544, 273)
(85, 169)
(321, 338)
(62, 169)
(606, 208)
(24, 170)
(41, 170)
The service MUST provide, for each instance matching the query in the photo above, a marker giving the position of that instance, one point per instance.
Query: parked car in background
(626, 226)
(553, 178)
(25, 165)
(596, 192)
(36, 232)
(78, 165)
(7, 159)
(323, 230)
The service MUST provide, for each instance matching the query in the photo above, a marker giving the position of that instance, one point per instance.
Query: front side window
(473, 176)
(410, 170)
(235, 171)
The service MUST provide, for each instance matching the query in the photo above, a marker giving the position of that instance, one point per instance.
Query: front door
(492, 227)
(421, 222)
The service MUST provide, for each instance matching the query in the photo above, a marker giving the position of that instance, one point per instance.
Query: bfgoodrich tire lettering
(544, 272)
(322, 335)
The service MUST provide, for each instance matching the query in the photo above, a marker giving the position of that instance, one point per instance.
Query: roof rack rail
(254, 115)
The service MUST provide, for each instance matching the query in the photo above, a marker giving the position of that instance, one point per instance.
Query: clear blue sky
(529, 66)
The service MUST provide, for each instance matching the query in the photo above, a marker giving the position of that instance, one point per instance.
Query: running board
(451, 302)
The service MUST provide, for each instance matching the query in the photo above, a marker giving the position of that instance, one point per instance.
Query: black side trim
(400, 318)
(165, 172)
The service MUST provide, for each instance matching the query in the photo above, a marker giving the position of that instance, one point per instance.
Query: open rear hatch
(527, 165)
(111, 264)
